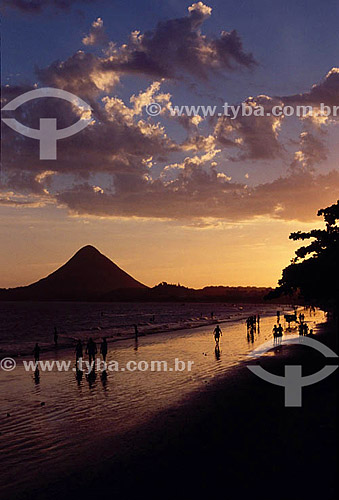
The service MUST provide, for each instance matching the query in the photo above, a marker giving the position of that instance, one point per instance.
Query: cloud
(37, 6)
(312, 151)
(327, 92)
(177, 46)
(97, 34)
(253, 137)
(257, 137)
(174, 48)
(83, 74)
(117, 140)
(125, 163)
(109, 165)
(197, 193)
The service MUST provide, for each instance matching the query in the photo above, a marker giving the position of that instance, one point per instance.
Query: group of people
(303, 329)
(252, 322)
(91, 350)
(278, 331)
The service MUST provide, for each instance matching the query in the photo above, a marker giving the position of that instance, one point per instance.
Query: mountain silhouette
(87, 275)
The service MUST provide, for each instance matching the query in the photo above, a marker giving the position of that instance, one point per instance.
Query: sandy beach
(211, 441)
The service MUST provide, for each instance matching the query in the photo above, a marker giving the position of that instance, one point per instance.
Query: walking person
(103, 349)
(91, 350)
(254, 323)
(217, 333)
(36, 352)
(78, 351)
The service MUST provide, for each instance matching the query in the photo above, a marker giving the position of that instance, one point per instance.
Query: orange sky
(36, 241)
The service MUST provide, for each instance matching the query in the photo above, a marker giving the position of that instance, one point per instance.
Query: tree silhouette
(314, 272)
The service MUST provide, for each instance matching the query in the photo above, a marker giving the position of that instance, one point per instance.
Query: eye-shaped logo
(48, 134)
(293, 381)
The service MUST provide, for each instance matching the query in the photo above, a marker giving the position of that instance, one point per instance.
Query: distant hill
(165, 292)
(86, 276)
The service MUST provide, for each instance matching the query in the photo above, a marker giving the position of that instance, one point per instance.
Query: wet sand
(234, 439)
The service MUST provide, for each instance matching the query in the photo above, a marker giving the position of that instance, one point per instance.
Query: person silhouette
(91, 350)
(78, 351)
(103, 348)
(217, 333)
(252, 333)
(136, 333)
(56, 336)
(36, 352)
(280, 330)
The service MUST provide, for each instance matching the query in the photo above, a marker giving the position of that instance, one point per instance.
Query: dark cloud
(327, 92)
(82, 74)
(175, 47)
(37, 6)
(311, 152)
(255, 137)
(198, 194)
(117, 140)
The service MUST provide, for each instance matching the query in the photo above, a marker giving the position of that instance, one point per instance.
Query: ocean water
(22, 324)
(57, 421)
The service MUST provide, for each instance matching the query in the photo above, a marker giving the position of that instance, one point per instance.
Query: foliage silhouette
(314, 271)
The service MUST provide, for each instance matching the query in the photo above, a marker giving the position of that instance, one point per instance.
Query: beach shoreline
(211, 440)
(68, 342)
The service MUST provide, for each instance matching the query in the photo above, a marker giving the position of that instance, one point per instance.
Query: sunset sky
(178, 199)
